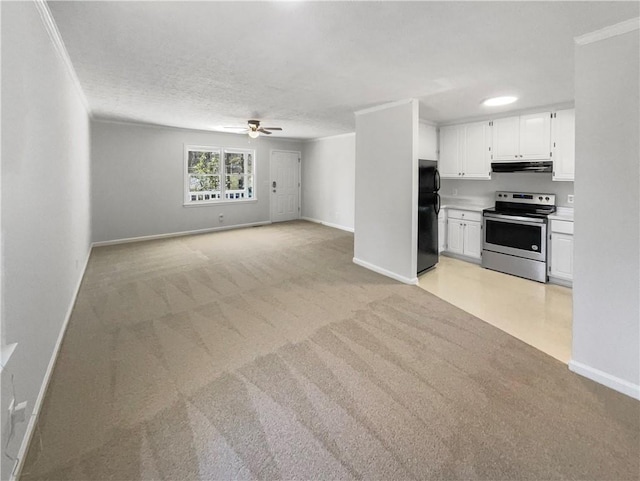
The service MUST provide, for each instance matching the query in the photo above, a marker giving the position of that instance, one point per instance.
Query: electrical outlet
(570, 199)
(221, 217)
(455, 192)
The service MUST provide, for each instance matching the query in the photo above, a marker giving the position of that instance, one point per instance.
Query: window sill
(220, 202)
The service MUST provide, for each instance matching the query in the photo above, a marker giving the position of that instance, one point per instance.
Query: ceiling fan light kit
(254, 130)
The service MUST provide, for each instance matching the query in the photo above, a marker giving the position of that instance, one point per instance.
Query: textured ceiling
(307, 66)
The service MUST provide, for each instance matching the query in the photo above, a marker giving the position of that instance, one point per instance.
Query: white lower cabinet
(455, 242)
(464, 233)
(472, 239)
(561, 250)
(442, 231)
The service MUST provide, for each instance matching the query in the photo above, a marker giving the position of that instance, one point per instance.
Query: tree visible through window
(216, 174)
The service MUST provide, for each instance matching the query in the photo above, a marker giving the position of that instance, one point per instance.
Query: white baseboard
(328, 224)
(601, 377)
(35, 413)
(460, 257)
(177, 234)
(385, 272)
(560, 282)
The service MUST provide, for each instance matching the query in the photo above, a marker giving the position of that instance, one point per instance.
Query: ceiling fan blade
(240, 129)
(272, 128)
(264, 131)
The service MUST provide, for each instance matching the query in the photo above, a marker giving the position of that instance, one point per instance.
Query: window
(214, 174)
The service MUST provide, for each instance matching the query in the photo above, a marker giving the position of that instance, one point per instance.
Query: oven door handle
(513, 219)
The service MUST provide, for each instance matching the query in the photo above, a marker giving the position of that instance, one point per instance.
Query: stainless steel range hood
(546, 166)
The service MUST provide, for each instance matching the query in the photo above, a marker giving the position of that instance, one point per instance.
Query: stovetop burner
(523, 204)
(539, 213)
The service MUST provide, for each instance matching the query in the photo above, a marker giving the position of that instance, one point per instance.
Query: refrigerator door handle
(437, 204)
(437, 181)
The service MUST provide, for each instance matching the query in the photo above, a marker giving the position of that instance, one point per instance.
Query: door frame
(271, 176)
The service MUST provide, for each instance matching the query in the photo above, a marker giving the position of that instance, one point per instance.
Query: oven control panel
(526, 198)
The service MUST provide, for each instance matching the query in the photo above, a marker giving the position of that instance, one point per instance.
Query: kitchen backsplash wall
(484, 190)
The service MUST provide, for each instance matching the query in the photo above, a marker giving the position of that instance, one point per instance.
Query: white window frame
(187, 202)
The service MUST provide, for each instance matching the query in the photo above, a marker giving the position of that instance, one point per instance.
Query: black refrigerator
(428, 210)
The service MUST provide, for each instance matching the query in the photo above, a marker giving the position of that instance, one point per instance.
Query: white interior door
(285, 185)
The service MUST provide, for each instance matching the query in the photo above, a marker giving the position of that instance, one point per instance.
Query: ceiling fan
(254, 130)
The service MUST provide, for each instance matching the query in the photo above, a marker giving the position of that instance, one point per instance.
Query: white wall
(328, 180)
(45, 201)
(138, 189)
(386, 190)
(606, 286)
(515, 181)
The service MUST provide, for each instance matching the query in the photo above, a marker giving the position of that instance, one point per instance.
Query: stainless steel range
(515, 234)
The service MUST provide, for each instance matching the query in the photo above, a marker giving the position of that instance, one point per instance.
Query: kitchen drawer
(562, 226)
(464, 215)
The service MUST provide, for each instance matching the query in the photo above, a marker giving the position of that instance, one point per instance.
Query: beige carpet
(265, 353)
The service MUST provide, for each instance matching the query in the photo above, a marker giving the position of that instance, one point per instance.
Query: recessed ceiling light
(497, 101)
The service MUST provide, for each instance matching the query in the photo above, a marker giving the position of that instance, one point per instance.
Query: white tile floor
(538, 314)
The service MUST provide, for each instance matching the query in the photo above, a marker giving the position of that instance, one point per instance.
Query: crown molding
(608, 32)
(61, 50)
(384, 106)
(136, 123)
(428, 122)
(329, 137)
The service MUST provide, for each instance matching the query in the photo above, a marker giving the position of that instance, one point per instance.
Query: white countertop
(562, 213)
(479, 204)
(470, 207)
(474, 204)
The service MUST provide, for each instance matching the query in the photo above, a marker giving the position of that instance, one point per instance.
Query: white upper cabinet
(427, 142)
(465, 151)
(506, 139)
(477, 151)
(448, 165)
(526, 137)
(535, 136)
(563, 139)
